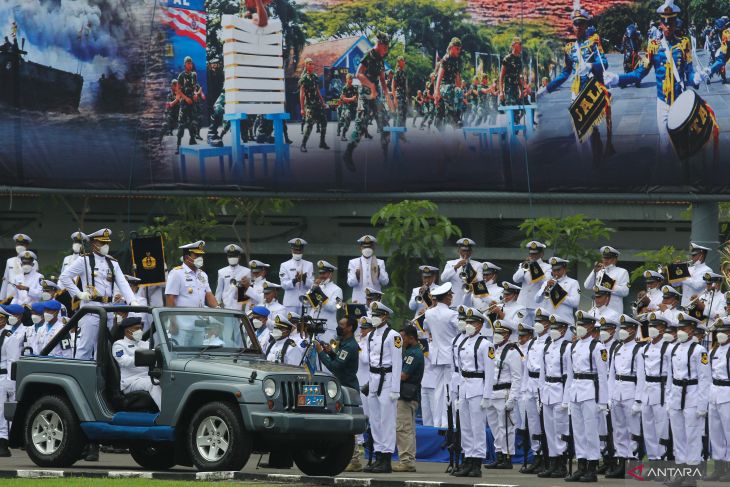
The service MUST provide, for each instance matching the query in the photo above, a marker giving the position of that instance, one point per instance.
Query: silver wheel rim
(47, 432)
(212, 438)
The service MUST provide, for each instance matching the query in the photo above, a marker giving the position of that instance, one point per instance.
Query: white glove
(636, 407)
(485, 403)
(509, 405)
(584, 70)
(610, 404)
(541, 92)
(83, 296)
(699, 77)
(134, 303)
(394, 396)
(610, 79)
(563, 407)
(603, 408)
(701, 414)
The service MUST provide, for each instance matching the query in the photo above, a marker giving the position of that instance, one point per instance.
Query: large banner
(362, 96)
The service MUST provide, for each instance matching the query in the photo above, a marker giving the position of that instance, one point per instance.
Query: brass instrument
(467, 288)
(424, 297)
(525, 264)
(338, 303)
(725, 261)
(548, 289)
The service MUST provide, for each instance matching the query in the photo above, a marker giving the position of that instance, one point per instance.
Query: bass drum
(690, 124)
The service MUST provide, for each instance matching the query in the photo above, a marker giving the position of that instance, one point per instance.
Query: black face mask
(340, 331)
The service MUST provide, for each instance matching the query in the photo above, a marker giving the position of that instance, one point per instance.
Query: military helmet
(383, 38)
(187, 58)
(455, 41)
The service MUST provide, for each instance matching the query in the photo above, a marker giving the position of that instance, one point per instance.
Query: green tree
(655, 258)
(569, 237)
(413, 233)
(248, 212)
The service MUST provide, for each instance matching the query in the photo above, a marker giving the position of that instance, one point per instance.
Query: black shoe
(369, 468)
(465, 468)
(288, 141)
(506, 463)
(579, 471)
(534, 468)
(368, 136)
(323, 144)
(476, 470)
(197, 136)
(343, 138)
(384, 466)
(618, 471)
(590, 475)
(716, 474)
(561, 467)
(92, 453)
(496, 462)
(548, 468)
(303, 148)
(4, 450)
(347, 157)
(675, 481)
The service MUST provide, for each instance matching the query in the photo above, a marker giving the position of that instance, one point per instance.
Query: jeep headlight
(269, 387)
(332, 389)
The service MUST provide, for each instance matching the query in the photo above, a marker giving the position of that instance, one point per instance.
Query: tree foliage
(655, 258)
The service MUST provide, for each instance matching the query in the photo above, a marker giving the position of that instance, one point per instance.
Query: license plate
(311, 397)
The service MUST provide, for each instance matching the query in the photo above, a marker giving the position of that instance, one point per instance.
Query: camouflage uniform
(171, 114)
(512, 75)
(429, 108)
(368, 109)
(401, 91)
(347, 111)
(216, 120)
(187, 83)
(313, 109)
(448, 108)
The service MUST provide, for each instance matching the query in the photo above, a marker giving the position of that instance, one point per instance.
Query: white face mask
(13, 320)
(377, 321)
(722, 338)
(623, 334)
(554, 334)
(367, 252)
(682, 336)
(36, 319)
(276, 333)
(653, 332)
(669, 337)
(118, 318)
(198, 262)
(297, 257)
(233, 260)
(604, 336)
(695, 339)
(581, 331)
(19, 249)
(500, 338)
(137, 335)
(257, 323)
(48, 317)
(539, 328)
(46, 296)
(26, 268)
(470, 330)
(104, 249)
(461, 324)
(76, 248)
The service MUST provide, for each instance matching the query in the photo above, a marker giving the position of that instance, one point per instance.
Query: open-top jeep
(220, 403)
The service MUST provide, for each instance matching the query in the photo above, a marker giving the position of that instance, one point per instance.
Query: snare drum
(690, 124)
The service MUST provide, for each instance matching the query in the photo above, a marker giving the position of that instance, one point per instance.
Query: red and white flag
(187, 23)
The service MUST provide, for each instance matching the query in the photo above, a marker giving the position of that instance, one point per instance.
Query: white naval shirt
(11, 348)
(441, 322)
(582, 362)
(523, 279)
(719, 360)
(392, 357)
(553, 392)
(476, 386)
(329, 309)
(533, 364)
(696, 395)
(627, 360)
(567, 308)
(287, 273)
(32, 281)
(507, 371)
(450, 274)
(620, 287)
(655, 365)
(47, 332)
(225, 292)
(414, 306)
(696, 283)
(123, 351)
(190, 286)
(13, 267)
(68, 260)
(714, 304)
(294, 353)
(364, 265)
(100, 274)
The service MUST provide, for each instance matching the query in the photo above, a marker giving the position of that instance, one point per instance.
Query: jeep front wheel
(53, 437)
(216, 438)
(328, 459)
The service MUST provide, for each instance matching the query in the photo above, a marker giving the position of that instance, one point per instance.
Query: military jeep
(220, 402)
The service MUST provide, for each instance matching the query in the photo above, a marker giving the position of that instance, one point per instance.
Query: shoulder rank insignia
(704, 359)
(604, 355)
(397, 341)
(490, 353)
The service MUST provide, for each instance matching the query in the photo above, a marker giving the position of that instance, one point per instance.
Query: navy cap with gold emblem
(324, 266)
(102, 235)
(378, 309)
(297, 243)
(194, 247)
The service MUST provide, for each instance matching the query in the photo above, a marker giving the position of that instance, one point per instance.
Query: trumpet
(525, 264)
(467, 288)
(338, 303)
(548, 289)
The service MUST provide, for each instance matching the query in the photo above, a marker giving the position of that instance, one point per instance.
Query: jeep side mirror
(145, 358)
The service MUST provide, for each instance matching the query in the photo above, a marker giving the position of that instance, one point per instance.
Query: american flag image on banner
(186, 23)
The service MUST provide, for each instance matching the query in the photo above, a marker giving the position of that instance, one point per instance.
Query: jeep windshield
(208, 331)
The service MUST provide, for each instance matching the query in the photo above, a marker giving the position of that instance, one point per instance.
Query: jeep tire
(330, 458)
(154, 456)
(216, 438)
(53, 436)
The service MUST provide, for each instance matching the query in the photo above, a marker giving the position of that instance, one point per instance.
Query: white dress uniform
(604, 312)
(440, 322)
(652, 390)
(47, 332)
(529, 289)
(565, 309)
(12, 269)
(655, 298)
(554, 393)
(385, 361)
(328, 310)
(190, 287)
(714, 304)
(100, 276)
(719, 410)
(10, 350)
(514, 313)
(695, 284)
(293, 290)
(68, 260)
(622, 380)
(133, 378)
(476, 364)
(620, 287)
(415, 306)
(506, 388)
(451, 274)
(226, 293)
(366, 266)
(284, 351)
(690, 380)
(530, 388)
(30, 280)
(587, 390)
(428, 388)
(275, 308)
(363, 368)
(455, 380)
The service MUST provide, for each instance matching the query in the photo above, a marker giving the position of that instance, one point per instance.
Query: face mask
(48, 317)
(722, 338)
(500, 338)
(367, 252)
(20, 249)
(198, 262)
(554, 334)
(118, 318)
(232, 260)
(297, 257)
(12, 320)
(257, 323)
(36, 319)
(669, 337)
(255, 279)
(377, 321)
(76, 248)
(470, 330)
(604, 336)
(46, 296)
(623, 335)
(539, 328)
(104, 249)
(461, 324)
(137, 335)
(26, 268)
(325, 282)
(581, 331)
(276, 333)
(695, 340)
(682, 336)
(340, 331)
(653, 332)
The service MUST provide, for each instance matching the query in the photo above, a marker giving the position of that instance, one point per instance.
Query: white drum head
(681, 109)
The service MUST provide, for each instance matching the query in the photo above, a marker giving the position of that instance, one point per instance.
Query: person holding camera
(342, 358)
(410, 392)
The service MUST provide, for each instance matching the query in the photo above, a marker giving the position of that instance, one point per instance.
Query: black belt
(626, 378)
(501, 387)
(656, 378)
(472, 375)
(586, 376)
(534, 375)
(456, 369)
(720, 382)
(683, 383)
(101, 299)
(381, 370)
(3, 371)
(555, 380)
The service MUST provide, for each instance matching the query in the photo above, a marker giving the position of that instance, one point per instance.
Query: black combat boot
(496, 462)
(464, 469)
(476, 470)
(548, 467)
(717, 473)
(303, 147)
(384, 466)
(590, 474)
(369, 468)
(322, 143)
(561, 467)
(92, 453)
(618, 471)
(535, 467)
(506, 463)
(676, 481)
(579, 471)
(347, 157)
(4, 450)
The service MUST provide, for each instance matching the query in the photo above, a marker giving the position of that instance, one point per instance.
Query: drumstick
(699, 63)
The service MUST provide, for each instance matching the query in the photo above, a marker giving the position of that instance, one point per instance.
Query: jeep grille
(290, 391)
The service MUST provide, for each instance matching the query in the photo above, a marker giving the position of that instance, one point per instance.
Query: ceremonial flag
(185, 23)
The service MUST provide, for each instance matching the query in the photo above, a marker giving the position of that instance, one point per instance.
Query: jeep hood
(241, 368)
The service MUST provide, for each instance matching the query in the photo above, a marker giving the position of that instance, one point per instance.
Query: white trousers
(145, 384)
(473, 436)
(382, 412)
(556, 425)
(625, 423)
(502, 424)
(7, 393)
(360, 439)
(428, 398)
(656, 427)
(585, 416)
(443, 377)
(533, 420)
(662, 116)
(86, 339)
(720, 431)
(687, 431)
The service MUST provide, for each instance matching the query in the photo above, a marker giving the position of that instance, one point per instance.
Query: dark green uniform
(187, 83)
(314, 112)
(343, 363)
(368, 109)
(429, 108)
(413, 363)
(449, 107)
(347, 111)
(216, 120)
(171, 114)
(401, 91)
(512, 74)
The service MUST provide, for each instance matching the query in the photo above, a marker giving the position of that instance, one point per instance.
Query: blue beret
(53, 305)
(38, 308)
(131, 321)
(14, 309)
(261, 310)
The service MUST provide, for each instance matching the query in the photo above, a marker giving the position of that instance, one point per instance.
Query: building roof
(323, 54)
